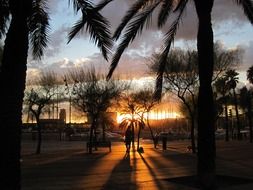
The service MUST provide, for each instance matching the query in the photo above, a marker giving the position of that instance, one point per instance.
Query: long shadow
(176, 159)
(121, 176)
(65, 172)
(151, 171)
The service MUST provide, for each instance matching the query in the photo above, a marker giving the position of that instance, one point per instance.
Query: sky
(230, 27)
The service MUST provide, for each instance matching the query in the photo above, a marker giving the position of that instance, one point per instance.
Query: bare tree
(38, 97)
(181, 79)
(181, 75)
(93, 95)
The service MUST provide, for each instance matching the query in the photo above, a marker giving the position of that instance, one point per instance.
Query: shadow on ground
(221, 181)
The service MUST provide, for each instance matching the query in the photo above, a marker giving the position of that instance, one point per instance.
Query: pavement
(64, 165)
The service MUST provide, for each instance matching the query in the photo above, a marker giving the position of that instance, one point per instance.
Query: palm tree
(28, 20)
(144, 98)
(137, 16)
(245, 103)
(232, 80)
(222, 89)
(21, 21)
(250, 75)
(250, 79)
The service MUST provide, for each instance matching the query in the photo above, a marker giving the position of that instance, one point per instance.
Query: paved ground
(67, 166)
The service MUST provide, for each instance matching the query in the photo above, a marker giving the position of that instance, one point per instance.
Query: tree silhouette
(145, 99)
(250, 79)
(136, 18)
(134, 116)
(93, 95)
(37, 98)
(181, 79)
(21, 21)
(222, 88)
(246, 104)
(232, 80)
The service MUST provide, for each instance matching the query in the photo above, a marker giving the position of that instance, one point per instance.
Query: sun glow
(152, 115)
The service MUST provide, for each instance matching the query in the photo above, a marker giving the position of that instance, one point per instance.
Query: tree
(222, 88)
(37, 98)
(93, 95)
(181, 79)
(225, 59)
(250, 79)
(134, 116)
(250, 75)
(232, 80)
(181, 75)
(144, 98)
(246, 104)
(21, 21)
(137, 16)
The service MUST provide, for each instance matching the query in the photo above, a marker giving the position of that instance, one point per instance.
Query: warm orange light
(163, 115)
(152, 115)
(121, 117)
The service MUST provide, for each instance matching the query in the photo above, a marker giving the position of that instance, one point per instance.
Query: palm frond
(247, 6)
(98, 28)
(78, 27)
(38, 23)
(80, 4)
(181, 4)
(4, 17)
(136, 7)
(164, 12)
(134, 28)
(169, 38)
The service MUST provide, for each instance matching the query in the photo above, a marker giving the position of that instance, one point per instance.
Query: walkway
(66, 166)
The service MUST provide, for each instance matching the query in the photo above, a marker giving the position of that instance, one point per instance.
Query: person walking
(128, 139)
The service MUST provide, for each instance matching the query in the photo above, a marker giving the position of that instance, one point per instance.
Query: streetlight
(68, 92)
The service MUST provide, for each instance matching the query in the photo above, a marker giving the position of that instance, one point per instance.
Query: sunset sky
(229, 24)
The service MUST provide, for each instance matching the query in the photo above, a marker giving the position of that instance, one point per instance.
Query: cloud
(57, 39)
(134, 60)
(53, 6)
(223, 11)
(248, 56)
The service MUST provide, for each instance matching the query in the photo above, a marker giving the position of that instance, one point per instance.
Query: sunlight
(121, 117)
(152, 115)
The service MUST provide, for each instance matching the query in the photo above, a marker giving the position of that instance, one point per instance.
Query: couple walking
(128, 138)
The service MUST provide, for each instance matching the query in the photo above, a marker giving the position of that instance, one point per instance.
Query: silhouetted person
(128, 139)
(156, 139)
(164, 140)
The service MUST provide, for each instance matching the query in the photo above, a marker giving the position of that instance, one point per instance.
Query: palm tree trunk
(193, 135)
(206, 138)
(91, 136)
(132, 125)
(139, 134)
(237, 117)
(151, 131)
(250, 120)
(226, 121)
(12, 85)
(38, 150)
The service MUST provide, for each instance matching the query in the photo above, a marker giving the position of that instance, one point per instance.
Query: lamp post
(68, 92)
